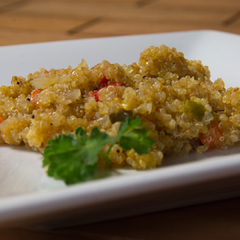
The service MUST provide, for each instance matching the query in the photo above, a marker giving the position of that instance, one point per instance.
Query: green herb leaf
(137, 139)
(94, 145)
(131, 136)
(129, 124)
(73, 158)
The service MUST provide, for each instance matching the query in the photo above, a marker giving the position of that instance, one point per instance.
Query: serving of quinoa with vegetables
(113, 116)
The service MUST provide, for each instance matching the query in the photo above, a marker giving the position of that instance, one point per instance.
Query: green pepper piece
(120, 116)
(196, 110)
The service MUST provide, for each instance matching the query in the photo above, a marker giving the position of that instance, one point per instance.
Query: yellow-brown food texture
(155, 88)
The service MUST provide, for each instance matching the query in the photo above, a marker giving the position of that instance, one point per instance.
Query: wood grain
(29, 21)
(53, 20)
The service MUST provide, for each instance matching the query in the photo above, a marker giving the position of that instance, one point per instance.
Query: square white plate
(27, 195)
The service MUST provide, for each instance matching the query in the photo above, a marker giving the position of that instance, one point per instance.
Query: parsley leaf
(130, 136)
(137, 139)
(74, 158)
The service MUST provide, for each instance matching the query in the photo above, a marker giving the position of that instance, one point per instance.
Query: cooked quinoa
(184, 110)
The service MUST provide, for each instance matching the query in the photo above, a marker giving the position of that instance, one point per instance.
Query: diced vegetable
(44, 80)
(211, 138)
(95, 95)
(103, 84)
(115, 84)
(34, 97)
(1, 119)
(194, 109)
(120, 116)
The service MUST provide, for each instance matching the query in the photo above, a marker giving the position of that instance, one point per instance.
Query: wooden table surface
(28, 21)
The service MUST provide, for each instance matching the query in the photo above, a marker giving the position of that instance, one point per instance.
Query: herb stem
(105, 155)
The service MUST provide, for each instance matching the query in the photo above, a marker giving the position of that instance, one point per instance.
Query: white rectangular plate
(28, 195)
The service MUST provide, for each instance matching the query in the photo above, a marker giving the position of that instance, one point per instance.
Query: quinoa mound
(184, 110)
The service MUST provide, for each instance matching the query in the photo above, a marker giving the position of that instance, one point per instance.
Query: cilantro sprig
(74, 157)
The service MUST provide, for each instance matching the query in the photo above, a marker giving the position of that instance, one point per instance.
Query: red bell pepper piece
(103, 84)
(213, 135)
